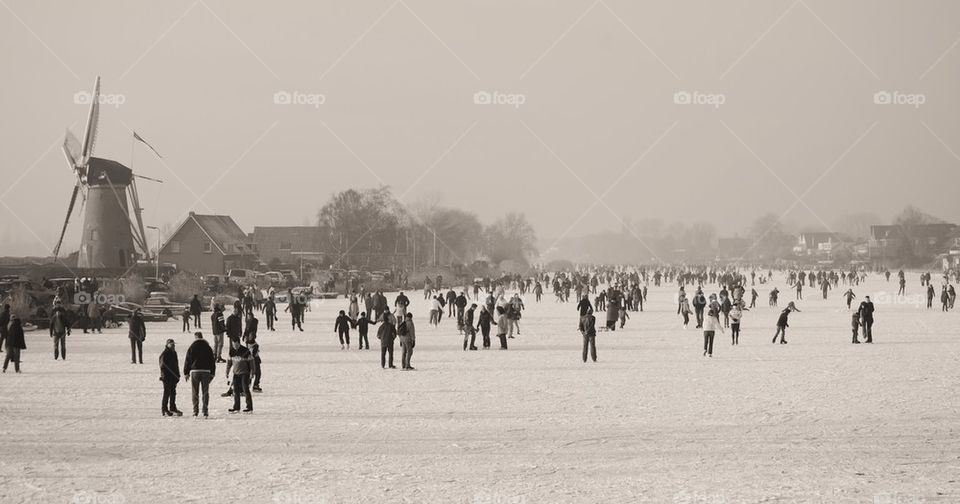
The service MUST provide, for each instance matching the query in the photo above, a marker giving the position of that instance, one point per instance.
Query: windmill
(112, 236)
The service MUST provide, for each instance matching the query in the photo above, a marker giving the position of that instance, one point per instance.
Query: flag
(138, 137)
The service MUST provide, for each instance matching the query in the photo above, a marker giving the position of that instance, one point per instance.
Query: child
(736, 313)
(623, 317)
(855, 325)
(363, 325)
(186, 315)
(342, 328)
(685, 311)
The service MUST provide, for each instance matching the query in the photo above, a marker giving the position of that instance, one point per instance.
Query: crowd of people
(478, 308)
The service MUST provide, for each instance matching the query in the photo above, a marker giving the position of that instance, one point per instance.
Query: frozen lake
(817, 420)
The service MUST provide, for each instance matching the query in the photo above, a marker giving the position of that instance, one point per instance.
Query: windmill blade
(71, 147)
(73, 200)
(90, 133)
(138, 213)
(148, 178)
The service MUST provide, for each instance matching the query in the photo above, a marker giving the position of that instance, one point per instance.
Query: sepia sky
(588, 111)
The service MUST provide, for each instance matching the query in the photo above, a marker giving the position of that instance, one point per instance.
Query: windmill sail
(73, 201)
(90, 134)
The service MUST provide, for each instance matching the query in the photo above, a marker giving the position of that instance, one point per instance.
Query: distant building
(288, 244)
(209, 245)
(815, 242)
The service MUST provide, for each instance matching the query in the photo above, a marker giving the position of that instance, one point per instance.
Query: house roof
(221, 230)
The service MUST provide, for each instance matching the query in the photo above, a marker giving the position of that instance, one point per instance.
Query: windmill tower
(111, 238)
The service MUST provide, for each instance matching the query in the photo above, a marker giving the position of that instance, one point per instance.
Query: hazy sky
(797, 82)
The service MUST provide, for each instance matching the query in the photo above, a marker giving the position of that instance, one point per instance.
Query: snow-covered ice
(816, 420)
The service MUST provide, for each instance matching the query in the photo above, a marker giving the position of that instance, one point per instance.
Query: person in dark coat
(170, 377)
(341, 326)
(200, 367)
(588, 328)
(185, 320)
(219, 329)
(59, 329)
(250, 330)
(196, 308)
(866, 319)
(137, 334)
(782, 324)
(484, 321)
(270, 308)
(257, 369)
(387, 334)
(408, 340)
(234, 325)
(15, 342)
(4, 323)
(362, 325)
(469, 331)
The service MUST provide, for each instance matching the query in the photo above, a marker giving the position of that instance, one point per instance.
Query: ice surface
(816, 420)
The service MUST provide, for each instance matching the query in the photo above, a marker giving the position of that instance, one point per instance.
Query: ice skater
(782, 323)
(710, 327)
(169, 377)
(362, 325)
(137, 334)
(866, 319)
(342, 327)
(736, 315)
(469, 331)
(14, 344)
(200, 367)
(588, 329)
(849, 296)
(387, 333)
(219, 326)
(242, 364)
(408, 340)
(59, 330)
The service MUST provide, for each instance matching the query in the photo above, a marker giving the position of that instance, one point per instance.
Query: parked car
(242, 276)
(160, 303)
(213, 281)
(121, 312)
(289, 274)
(274, 277)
